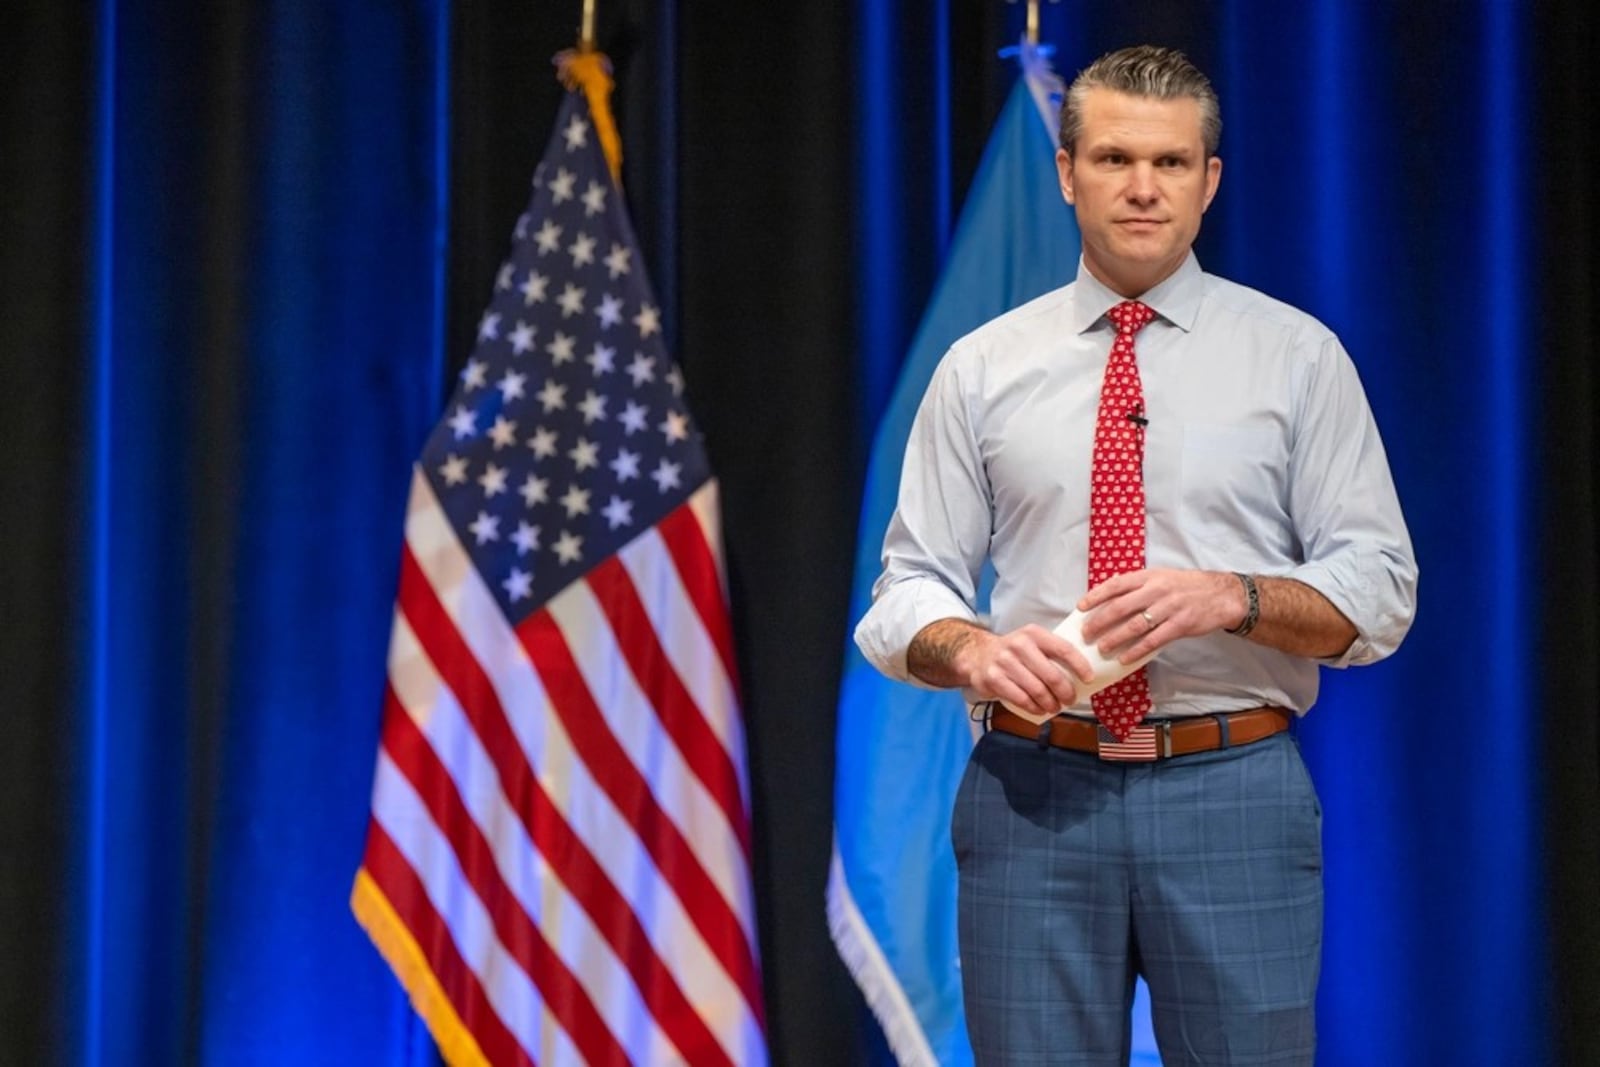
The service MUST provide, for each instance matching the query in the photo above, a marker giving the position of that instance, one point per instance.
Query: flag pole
(586, 68)
(586, 34)
(1033, 21)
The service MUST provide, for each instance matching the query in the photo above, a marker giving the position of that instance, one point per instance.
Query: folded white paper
(1107, 670)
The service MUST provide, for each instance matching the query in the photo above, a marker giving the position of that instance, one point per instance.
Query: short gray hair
(1143, 70)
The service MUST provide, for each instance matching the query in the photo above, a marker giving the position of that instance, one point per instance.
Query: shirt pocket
(1233, 496)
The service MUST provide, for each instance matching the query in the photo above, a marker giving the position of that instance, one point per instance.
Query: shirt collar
(1176, 298)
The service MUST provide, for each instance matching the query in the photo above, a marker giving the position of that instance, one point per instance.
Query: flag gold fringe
(395, 943)
(591, 72)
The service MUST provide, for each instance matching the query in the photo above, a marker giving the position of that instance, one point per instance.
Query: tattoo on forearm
(933, 651)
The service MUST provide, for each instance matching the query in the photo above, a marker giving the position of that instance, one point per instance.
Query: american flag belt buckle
(1148, 741)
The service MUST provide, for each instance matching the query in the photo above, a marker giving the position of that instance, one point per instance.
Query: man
(1195, 467)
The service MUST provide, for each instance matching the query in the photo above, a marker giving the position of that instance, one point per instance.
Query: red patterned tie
(1116, 500)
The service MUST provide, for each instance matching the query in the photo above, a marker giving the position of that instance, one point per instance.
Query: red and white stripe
(560, 817)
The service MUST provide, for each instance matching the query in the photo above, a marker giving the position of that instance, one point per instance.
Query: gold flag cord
(586, 69)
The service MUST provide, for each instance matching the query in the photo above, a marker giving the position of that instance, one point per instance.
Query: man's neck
(1135, 287)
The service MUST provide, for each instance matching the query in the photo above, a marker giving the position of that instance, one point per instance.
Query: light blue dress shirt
(1261, 455)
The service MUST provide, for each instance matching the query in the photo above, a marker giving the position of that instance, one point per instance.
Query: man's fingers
(1028, 694)
(1068, 659)
(1111, 588)
(1040, 666)
(1028, 663)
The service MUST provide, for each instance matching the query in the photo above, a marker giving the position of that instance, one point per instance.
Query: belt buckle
(1148, 741)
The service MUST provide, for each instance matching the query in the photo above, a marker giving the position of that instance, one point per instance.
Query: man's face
(1140, 181)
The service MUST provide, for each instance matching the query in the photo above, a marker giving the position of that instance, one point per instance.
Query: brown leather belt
(1172, 737)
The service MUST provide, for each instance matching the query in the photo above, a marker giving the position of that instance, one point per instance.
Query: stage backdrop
(246, 244)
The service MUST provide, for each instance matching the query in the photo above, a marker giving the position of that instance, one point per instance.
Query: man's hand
(1029, 668)
(1146, 610)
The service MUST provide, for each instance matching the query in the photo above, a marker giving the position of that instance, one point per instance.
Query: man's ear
(1064, 168)
(1213, 179)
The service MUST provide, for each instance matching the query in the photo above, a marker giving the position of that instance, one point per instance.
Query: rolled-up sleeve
(1346, 513)
(938, 537)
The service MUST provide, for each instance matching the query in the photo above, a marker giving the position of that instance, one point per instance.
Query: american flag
(557, 862)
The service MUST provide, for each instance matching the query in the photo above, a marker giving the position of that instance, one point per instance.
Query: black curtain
(1569, 228)
(46, 189)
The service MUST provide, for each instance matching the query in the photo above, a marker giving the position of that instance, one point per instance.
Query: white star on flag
(489, 326)
(519, 586)
(584, 454)
(576, 133)
(560, 348)
(533, 288)
(625, 466)
(475, 374)
(666, 475)
(569, 549)
(609, 311)
(543, 442)
(453, 470)
(553, 396)
(535, 490)
(618, 512)
(526, 538)
(464, 423)
(522, 338)
(602, 360)
(561, 188)
(502, 281)
(548, 237)
(485, 528)
(582, 250)
(642, 369)
(633, 418)
(617, 261)
(575, 500)
(493, 481)
(511, 386)
(675, 426)
(594, 199)
(593, 407)
(571, 300)
(503, 433)
(648, 320)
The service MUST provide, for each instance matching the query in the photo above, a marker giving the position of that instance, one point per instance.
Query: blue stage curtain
(269, 228)
(1347, 192)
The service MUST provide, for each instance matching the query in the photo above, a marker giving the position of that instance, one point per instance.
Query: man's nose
(1142, 184)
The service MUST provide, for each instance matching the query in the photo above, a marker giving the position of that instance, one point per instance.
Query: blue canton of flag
(567, 433)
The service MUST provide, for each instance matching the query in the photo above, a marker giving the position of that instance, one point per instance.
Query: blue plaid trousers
(1202, 873)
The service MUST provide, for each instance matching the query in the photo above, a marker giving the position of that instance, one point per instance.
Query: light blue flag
(901, 750)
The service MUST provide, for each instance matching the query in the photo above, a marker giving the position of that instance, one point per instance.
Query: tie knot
(1130, 316)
